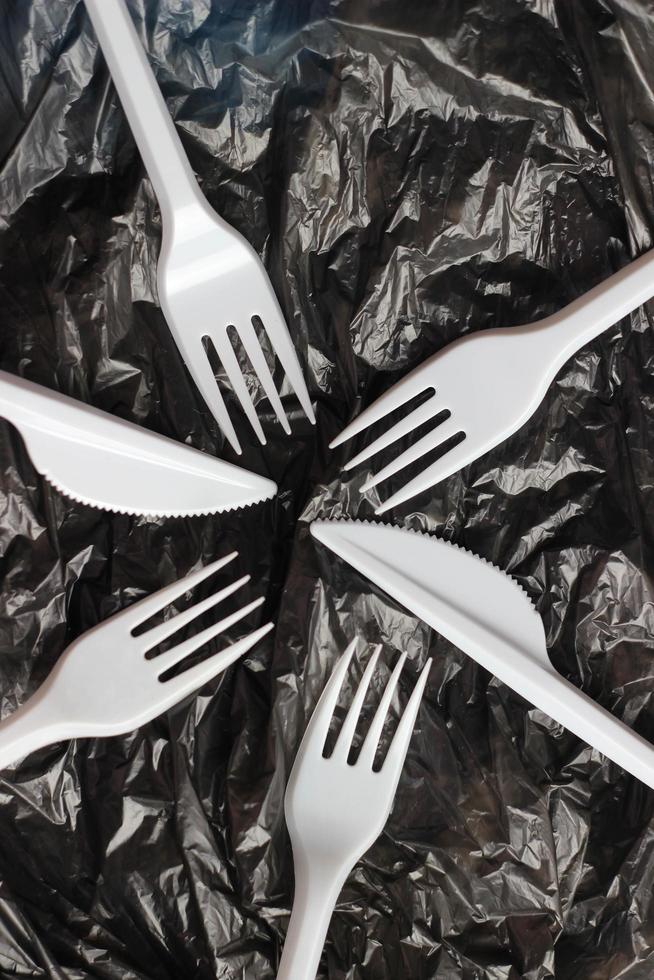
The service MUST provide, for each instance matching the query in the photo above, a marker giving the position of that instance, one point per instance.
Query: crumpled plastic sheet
(410, 172)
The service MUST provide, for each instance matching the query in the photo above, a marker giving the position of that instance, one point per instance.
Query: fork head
(116, 683)
(335, 807)
(472, 395)
(211, 283)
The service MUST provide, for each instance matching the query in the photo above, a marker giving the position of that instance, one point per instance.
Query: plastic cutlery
(335, 810)
(209, 278)
(485, 386)
(107, 682)
(485, 613)
(107, 462)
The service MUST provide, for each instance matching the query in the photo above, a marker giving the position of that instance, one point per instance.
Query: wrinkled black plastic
(410, 171)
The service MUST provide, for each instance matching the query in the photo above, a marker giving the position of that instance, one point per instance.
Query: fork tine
(197, 362)
(346, 734)
(159, 633)
(318, 727)
(371, 741)
(136, 614)
(164, 661)
(431, 441)
(449, 463)
(253, 350)
(282, 345)
(229, 361)
(417, 417)
(401, 392)
(392, 766)
(193, 678)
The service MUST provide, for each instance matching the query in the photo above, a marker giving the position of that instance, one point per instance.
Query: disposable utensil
(335, 810)
(485, 613)
(209, 278)
(488, 384)
(106, 682)
(106, 462)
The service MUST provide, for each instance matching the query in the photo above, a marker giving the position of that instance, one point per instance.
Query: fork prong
(193, 678)
(371, 741)
(164, 661)
(318, 727)
(136, 614)
(197, 362)
(451, 461)
(346, 734)
(280, 341)
(392, 765)
(401, 392)
(417, 417)
(253, 350)
(234, 373)
(159, 633)
(431, 441)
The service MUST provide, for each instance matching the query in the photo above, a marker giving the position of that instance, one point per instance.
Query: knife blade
(97, 459)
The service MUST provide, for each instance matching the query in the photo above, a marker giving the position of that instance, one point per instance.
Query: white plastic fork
(209, 278)
(106, 684)
(490, 383)
(335, 810)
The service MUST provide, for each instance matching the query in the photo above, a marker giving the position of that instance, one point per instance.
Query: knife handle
(575, 710)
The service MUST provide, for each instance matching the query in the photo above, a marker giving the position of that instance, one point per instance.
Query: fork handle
(316, 893)
(35, 724)
(566, 332)
(160, 147)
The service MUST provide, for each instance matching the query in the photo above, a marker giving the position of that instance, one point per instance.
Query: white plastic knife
(107, 462)
(485, 613)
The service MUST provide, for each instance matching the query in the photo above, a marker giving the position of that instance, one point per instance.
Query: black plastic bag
(409, 172)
